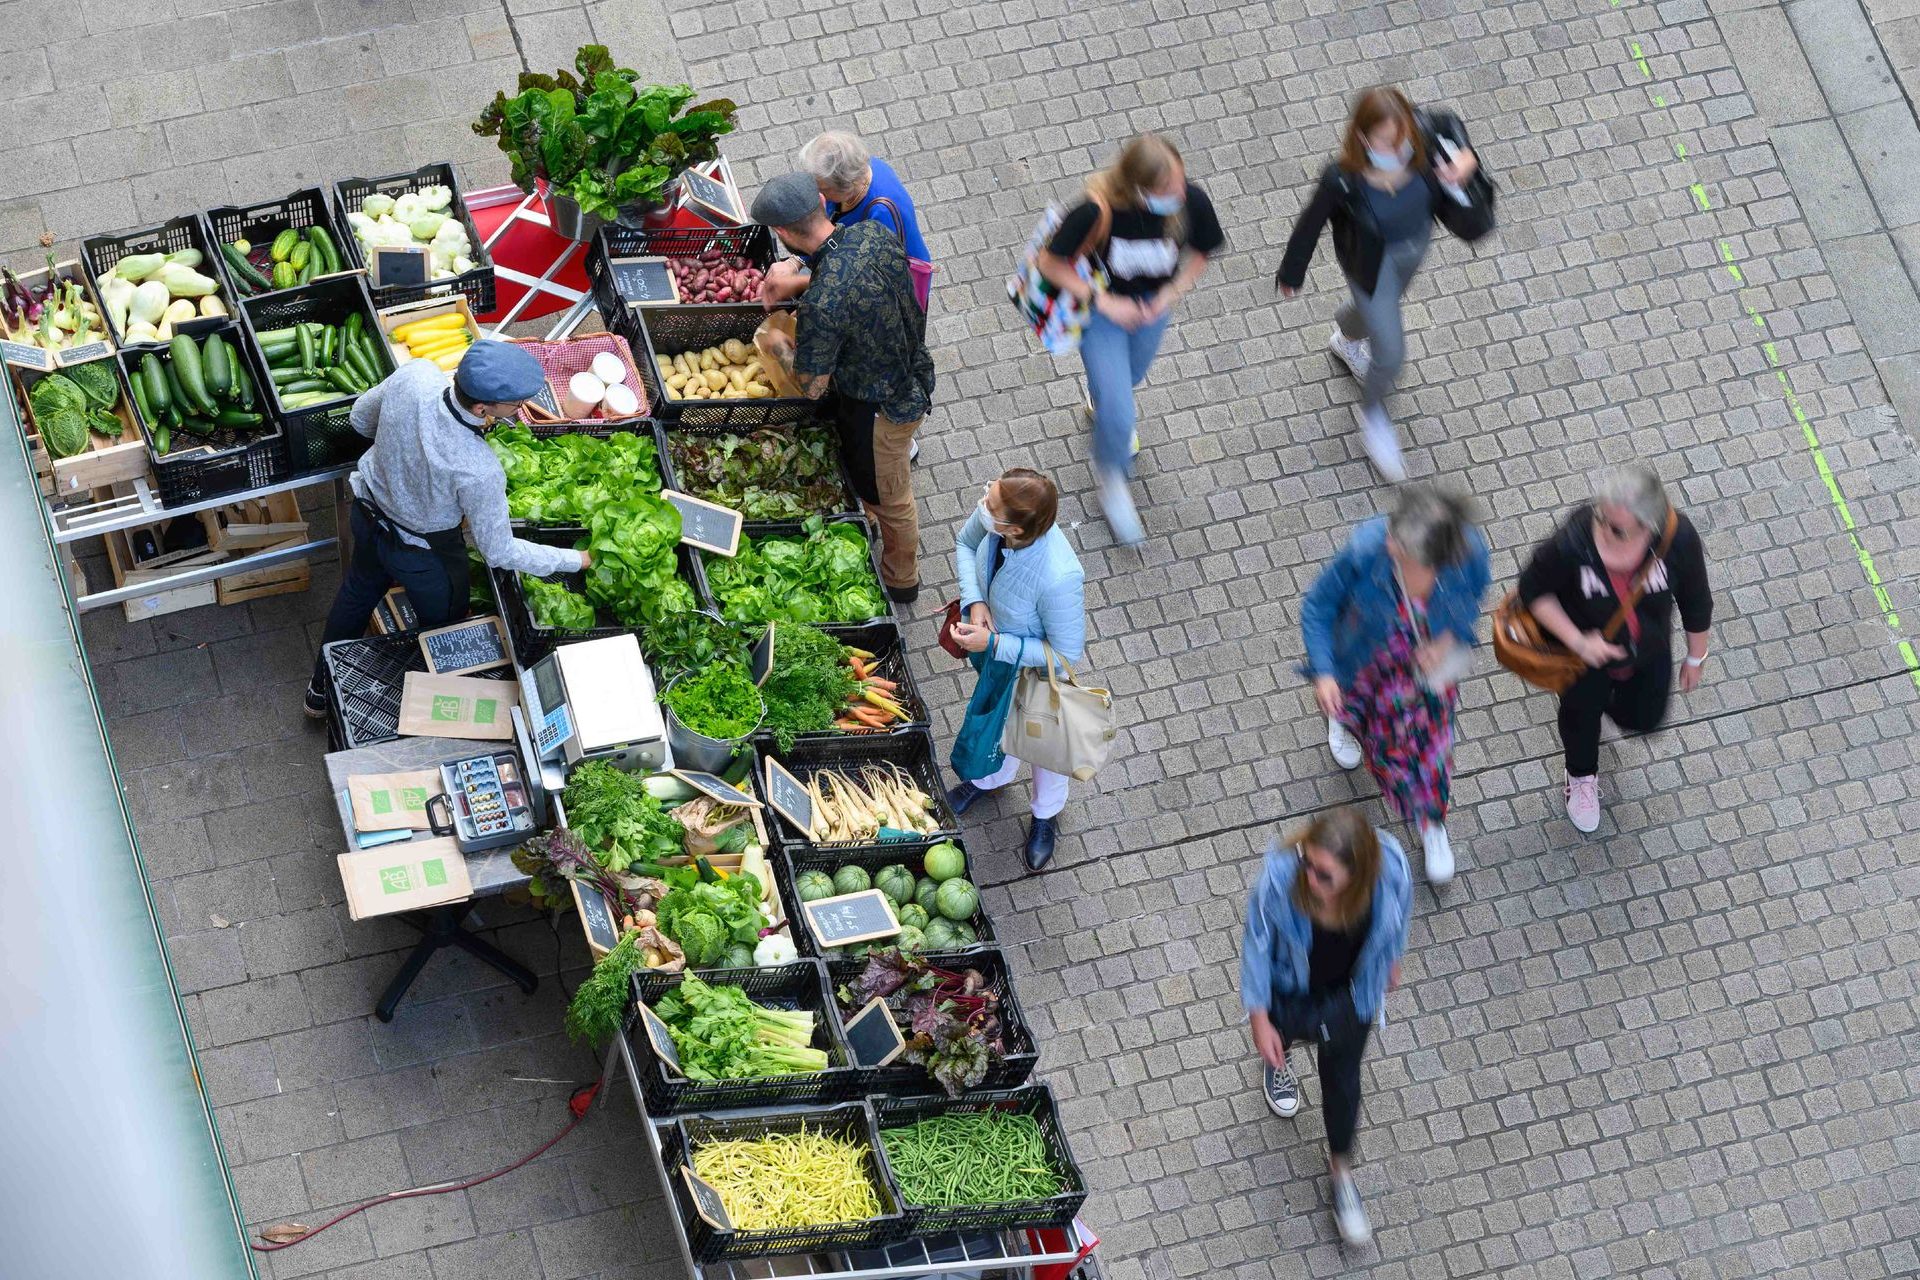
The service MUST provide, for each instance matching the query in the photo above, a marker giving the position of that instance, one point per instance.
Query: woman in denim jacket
(1388, 626)
(1326, 926)
(1022, 589)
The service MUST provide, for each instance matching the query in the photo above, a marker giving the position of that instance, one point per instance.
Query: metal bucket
(567, 218)
(693, 750)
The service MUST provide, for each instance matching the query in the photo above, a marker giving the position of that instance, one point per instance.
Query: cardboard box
(404, 877)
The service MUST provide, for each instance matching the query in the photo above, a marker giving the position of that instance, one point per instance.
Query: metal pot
(567, 218)
(651, 213)
(693, 750)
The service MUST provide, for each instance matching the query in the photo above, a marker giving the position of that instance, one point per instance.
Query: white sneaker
(1583, 802)
(1117, 504)
(1355, 353)
(1136, 442)
(1349, 1215)
(1439, 850)
(913, 450)
(1344, 746)
(1382, 442)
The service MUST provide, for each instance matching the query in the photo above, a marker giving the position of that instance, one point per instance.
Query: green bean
(989, 1157)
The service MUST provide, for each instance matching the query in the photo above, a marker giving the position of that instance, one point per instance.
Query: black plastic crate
(532, 642)
(476, 284)
(902, 1079)
(259, 224)
(98, 255)
(322, 435)
(669, 331)
(667, 432)
(884, 641)
(754, 243)
(197, 467)
(802, 985)
(1034, 1100)
(796, 530)
(791, 860)
(364, 681)
(853, 1121)
(911, 751)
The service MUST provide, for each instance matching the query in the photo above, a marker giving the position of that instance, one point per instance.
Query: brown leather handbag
(1533, 653)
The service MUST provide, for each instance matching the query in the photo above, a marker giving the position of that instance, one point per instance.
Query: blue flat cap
(786, 200)
(496, 372)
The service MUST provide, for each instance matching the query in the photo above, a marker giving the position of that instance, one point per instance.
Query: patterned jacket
(858, 321)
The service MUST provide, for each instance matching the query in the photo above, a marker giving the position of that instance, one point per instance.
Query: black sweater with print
(1567, 567)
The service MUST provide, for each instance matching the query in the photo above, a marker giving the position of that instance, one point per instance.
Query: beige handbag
(1061, 726)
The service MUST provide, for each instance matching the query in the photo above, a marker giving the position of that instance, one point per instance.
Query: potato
(736, 350)
(680, 365)
(710, 358)
(664, 365)
(737, 378)
(676, 382)
(716, 380)
(755, 369)
(758, 391)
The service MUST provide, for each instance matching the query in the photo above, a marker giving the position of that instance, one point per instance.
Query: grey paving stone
(1886, 143)
(1877, 288)
(506, 1255)
(1833, 195)
(349, 1172)
(1839, 44)
(205, 960)
(334, 1052)
(247, 1010)
(288, 1123)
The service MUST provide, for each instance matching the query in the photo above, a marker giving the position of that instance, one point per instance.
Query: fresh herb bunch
(826, 575)
(554, 606)
(780, 473)
(719, 701)
(689, 641)
(809, 685)
(635, 575)
(564, 479)
(721, 1034)
(617, 819)
(599, 1005)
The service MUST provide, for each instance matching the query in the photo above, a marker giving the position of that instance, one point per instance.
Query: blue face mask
(1164, 206)
(1390, 161)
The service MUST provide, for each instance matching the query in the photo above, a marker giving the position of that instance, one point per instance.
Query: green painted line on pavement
(1700, 194)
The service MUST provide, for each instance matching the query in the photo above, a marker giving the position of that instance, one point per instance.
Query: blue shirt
(885, 184)
(1406, 214)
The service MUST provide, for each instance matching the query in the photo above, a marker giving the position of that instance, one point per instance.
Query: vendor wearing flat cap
(860, 328)
(428, 470)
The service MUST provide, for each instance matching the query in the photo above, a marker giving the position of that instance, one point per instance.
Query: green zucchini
(338, 377)
(185, 356)
(243, 271)
(153, 375)
(323, 247)
(292, 373)
(218, 366)
(304, 384)
(243, 385)
(273, 337)
(137, 382)
(238, 418)
(162, 438)
(307, 360)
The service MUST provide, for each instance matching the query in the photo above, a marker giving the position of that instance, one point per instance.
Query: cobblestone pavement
(1684, 1047)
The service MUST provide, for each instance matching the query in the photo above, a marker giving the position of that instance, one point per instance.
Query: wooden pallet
(259, 524)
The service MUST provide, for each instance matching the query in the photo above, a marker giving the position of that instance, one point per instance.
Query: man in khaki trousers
(861, 332)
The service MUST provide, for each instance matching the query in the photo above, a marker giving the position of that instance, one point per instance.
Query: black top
(1334, 952)
(1567, 567)
(1139, 255)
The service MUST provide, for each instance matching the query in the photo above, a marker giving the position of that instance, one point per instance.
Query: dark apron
(448, 546)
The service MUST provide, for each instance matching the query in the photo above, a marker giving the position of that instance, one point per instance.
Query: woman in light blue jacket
(1022, 590)
(1326, 926)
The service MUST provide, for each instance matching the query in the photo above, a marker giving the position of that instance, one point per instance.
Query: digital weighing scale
(594, 700)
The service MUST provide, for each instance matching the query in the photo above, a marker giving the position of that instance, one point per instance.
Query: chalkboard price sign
(82, 354)
(477, 644)
(661, 1039)
(706, 1201)
(789, 798)
(709, 195)
(760, 661)
(26, 355)
(399, 265)
(874, 1036)
(645, 282)
(706, 525)
(596, 917)
(717, 787)
(852, 917)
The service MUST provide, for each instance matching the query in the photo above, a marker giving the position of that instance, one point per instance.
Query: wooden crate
(243, 527)
(273, 580)
(128, 571)
(105, 463)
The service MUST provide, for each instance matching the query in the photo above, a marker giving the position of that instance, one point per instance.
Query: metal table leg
(440, 927)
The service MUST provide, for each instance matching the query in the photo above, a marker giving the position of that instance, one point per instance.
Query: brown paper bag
(777, 376)
(404, 877)
(392, 801)
(433, 706)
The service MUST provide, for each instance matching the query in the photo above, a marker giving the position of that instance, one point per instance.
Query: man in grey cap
(429, 469)
(860, 329)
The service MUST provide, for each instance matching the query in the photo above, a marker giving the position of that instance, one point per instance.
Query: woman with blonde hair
(1326, 927)
(1399, 169)
(1147, 233)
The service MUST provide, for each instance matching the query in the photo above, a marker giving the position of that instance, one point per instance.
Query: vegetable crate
(755, 244)
(197, 467)
(531, 641)
(889, 650)
(670, 331)
(476, 284)
(684, 432)
(793, 860)
(101, 464)
(796, 530)
(99, 254)
(911, 751)
(318, 436)
(1035, 1100)
(258, 224)
(902, 1079)
(851, 1121)
(364, 681)
(802, 985)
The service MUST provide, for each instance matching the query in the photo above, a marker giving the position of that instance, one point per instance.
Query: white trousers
(1049, 788)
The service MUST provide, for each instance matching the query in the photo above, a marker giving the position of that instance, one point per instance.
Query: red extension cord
(580, 1103)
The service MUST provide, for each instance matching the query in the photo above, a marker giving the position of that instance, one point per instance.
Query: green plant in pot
(601, 139)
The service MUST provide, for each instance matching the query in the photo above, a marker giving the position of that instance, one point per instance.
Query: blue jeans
(1117, 361)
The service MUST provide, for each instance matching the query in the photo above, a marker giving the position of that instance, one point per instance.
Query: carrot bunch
(870, 704)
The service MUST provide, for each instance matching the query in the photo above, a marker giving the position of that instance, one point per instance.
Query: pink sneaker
(1583, 802)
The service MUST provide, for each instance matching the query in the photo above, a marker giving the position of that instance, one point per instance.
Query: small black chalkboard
(395, 613)
(706, 1201)
(706, 525)
(851, 917)
(477, 644)
(547, 400)
(790, 799)
(719, 788)
(85, 352)
(26, 355)
(645, 282)
(400, 265)
(596, 917)
(760, 661)
(713, 196)
(661, 1039)
(873, 1035)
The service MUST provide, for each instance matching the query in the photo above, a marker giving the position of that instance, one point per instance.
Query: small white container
(620, 402)
(607, 367)
(584, 394)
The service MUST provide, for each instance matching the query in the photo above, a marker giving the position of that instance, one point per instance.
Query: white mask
(1390, 161)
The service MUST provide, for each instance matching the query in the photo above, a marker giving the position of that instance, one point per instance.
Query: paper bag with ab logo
(404, 877)
(392, 801)
(456, 706)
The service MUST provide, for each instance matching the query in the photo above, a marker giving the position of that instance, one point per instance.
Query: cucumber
(284, 276)
(244, 272)
(356, 364)
(307, 360)
(193, 379)
(153, 375)
(304, 274)
(355, 324)
(324, 248)
(292, 373)
(218, 367)
(243, 385)
(138, 383)
(162, 438)
(304, 384)
(274, 337)
(283, 244)
(300, 255)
